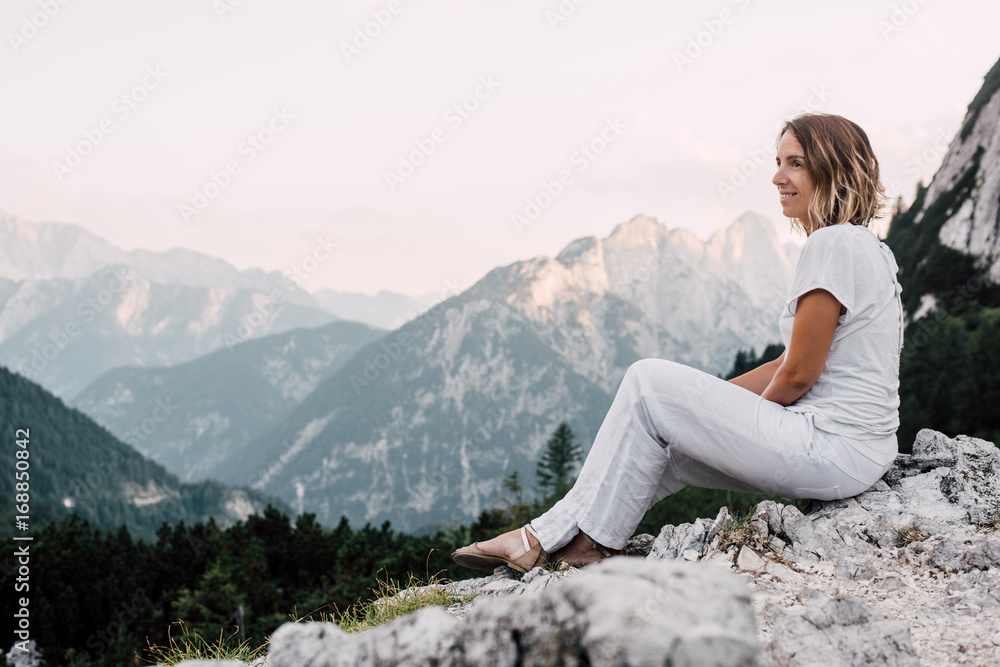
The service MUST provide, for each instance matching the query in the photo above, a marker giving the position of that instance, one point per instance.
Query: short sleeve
(827, 262)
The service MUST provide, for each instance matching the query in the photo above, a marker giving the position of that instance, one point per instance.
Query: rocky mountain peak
(641, 230)
(749, 233)
(968, 182)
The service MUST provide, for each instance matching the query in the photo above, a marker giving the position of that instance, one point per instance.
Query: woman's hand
(816, 316)
(758, 379)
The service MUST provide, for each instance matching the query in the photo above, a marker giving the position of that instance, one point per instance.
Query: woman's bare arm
(812, 334)
(758, 379)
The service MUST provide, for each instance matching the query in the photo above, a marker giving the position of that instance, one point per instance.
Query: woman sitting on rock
(817, 422)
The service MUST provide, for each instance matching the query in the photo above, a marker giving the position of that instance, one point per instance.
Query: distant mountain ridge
(54, 250)
(144, 308)
(63, 333)
(385, 310)
(221, 400)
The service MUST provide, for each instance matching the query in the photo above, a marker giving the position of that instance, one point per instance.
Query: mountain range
(73, 306)
(222, 400)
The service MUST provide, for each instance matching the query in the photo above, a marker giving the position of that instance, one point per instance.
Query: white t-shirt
(857, 394)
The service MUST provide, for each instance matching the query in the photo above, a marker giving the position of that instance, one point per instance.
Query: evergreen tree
(216, 605)
(556, 466)
(512, 484)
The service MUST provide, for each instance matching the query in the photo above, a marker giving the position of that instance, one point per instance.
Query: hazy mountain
(51, 250)
(221, 401)
(63, 333)
(385, 310)
(73, 306)
(420, 426)
(77, 466)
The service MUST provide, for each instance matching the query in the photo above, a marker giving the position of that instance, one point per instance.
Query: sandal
(534, 556)
(605, 552)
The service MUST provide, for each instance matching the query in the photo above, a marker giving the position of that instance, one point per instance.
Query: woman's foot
(519, 549)
(508, 545)
(582, 550)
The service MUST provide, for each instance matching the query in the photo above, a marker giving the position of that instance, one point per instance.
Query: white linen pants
(671, 425)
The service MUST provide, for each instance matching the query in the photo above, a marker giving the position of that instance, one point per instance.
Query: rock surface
(627, 611)
(907, 573)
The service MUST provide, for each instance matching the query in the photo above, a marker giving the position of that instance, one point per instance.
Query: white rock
(750, 561)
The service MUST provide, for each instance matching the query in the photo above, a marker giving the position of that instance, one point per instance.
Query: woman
(818, 422)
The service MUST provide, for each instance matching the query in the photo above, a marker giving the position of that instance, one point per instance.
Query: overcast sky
(410, 134)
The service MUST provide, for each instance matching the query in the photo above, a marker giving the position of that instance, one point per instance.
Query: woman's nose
(779, 177)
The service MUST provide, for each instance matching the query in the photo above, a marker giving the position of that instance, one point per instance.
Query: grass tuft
(991, 524)
(739, 532)
(192, 646)
(909, 535)
(394, 599)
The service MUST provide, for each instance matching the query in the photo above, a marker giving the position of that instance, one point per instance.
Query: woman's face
(795, 186)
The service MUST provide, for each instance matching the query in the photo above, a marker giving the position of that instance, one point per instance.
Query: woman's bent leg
(671, 425)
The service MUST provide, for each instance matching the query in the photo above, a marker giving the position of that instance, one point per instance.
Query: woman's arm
(815, 322)
(758, 379)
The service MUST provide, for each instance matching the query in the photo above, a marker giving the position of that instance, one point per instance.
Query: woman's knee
(666, 378)
(644, 369)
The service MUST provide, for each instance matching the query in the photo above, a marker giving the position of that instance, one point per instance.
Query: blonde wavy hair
(843, 168)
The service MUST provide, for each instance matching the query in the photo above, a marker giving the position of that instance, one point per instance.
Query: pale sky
(115, 112)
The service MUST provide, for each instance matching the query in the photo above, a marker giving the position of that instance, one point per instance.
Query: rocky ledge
(907, 573)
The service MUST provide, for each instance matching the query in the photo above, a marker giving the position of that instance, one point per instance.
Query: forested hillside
(78, 467)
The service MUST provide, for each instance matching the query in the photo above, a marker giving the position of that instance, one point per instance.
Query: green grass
(394, 599)
(739, 532)
(192, 646)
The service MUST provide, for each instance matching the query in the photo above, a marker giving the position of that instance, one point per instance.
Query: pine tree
(216, 605)
(557, 463)
(512, 484)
